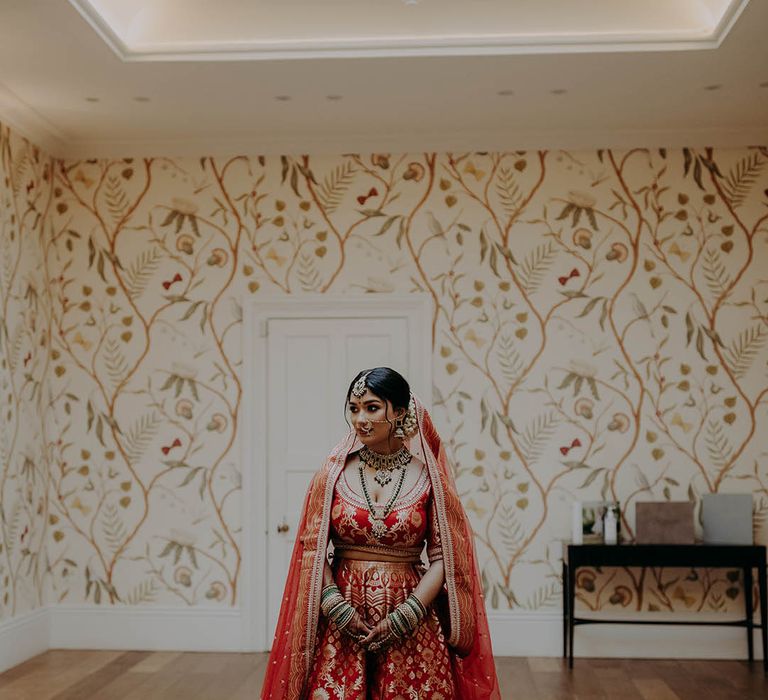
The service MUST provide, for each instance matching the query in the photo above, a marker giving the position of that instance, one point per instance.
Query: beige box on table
(664, 522)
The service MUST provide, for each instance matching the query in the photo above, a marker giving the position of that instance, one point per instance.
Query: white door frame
(257, 311)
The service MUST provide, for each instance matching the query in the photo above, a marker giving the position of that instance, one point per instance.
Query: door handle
(283, 527)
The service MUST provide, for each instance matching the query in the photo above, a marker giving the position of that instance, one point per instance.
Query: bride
(368, 621)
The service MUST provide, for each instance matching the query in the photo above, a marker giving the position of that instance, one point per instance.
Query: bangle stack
(405, 618)
(402, 622)
(335, 608)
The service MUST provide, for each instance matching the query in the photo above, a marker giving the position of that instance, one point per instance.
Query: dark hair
(387, 384)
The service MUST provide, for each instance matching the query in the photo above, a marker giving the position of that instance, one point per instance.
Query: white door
(310, 363)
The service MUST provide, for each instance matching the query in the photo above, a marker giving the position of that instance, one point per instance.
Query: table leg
(749, 612)
(571, 610)
(565, 609)
(763, 588)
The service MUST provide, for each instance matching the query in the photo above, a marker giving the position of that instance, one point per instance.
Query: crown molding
(466, 45)
(412, 142)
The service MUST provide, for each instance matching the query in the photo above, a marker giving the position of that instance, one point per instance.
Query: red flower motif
(564, 279)
(167, 448)
(363, 198)
(566, 449)
(176, 278)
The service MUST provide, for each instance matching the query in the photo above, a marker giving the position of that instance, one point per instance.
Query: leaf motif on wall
(113, 527)
(18, 168)
(117, 202)
(309, 277)
(335, 184)
(508, 191)
(509, 359)
(718, 445)
(509, 528)
(742, 177)
(715, 272)
(592, 476)
(544, 597)
(741, 353)
(177, 549)
(14, 522)
(141, 269)
(536, 265)
(14, 350)
(140, 436)
(115, 362)
(537, 435)
(8, 263)
(144, 592)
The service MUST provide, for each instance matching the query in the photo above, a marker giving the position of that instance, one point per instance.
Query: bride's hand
(378, 637)
(357, 628)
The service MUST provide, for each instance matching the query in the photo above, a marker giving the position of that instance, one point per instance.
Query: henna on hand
(358, 629)
(380, 637)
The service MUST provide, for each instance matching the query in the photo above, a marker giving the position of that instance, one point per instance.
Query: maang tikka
(359, 387)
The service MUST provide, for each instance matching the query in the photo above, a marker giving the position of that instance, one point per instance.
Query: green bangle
(336, 608)
(397, 624)
(416, 605)
(329, 591)
(339, 609)
(331, 602)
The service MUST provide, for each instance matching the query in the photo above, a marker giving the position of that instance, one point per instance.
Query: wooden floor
(139, 675)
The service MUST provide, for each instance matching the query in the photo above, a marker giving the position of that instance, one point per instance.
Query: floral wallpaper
(25, 196)
(600, 326)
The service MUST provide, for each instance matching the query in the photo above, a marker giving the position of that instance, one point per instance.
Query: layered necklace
(384, 465)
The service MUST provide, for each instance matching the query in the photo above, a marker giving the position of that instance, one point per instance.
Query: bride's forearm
(327, 575)
(431, 583)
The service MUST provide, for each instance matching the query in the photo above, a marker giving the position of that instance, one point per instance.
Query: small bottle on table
(610, 526)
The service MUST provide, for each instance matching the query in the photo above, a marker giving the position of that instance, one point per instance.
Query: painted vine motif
(25, 196)
(599, 330)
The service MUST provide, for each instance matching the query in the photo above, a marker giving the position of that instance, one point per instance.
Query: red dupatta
(466, 624)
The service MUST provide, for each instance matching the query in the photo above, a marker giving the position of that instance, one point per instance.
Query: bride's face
(373, 419)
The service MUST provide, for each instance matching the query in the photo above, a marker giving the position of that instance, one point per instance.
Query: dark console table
(744, 557)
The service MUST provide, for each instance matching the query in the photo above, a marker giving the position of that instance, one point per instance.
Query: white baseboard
(146, 628)
(23, 637)
(541, 634)
(187, 629)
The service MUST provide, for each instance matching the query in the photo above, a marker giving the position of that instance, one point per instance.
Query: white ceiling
(269, 29)
(373, 75)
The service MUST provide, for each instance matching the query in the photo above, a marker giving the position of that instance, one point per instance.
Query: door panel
(310, 362)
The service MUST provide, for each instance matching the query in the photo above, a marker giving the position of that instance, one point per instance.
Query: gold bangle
(411, 616)
(416, 605)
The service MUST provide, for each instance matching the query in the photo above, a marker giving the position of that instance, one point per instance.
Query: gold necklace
(384, 465)
(378, 513)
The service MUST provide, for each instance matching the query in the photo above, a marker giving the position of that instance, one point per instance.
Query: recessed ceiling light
(91, 99)
(559, 91)
(141, 99)
(715, 86)
(283, 98)
(505, 93)
(333, 98)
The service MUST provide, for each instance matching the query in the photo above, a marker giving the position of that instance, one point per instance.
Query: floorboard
(139, 675)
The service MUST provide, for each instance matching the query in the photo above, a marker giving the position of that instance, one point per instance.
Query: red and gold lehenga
(448, 657)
